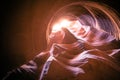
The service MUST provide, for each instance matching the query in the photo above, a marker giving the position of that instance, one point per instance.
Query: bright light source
(56, 28)
(63, 23)
(73, 26)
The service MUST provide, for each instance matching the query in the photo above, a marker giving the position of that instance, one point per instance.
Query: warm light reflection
(58, 26)
(74, 26)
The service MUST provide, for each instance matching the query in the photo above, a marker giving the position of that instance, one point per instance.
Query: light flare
(62, 24)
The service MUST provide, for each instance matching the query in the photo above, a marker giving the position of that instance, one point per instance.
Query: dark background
(22, 29)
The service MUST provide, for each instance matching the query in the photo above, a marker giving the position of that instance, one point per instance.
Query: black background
(23, 26)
